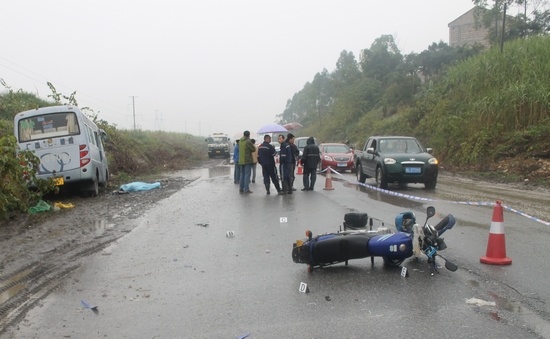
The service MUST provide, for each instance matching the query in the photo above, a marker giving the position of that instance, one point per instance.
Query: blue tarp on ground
(139, 186)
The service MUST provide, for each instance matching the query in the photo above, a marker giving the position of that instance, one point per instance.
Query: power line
(43, 80)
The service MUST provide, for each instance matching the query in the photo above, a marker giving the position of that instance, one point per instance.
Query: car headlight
(433, 161)
(389, 161)
(327, 158)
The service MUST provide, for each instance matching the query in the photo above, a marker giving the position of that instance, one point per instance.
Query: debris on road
(62, 205)
(480, 302)
(88, 306)
(41, 206)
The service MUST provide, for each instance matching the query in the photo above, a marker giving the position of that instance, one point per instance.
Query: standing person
(288, 159)
(246, 148)
(254, 161)
(237, 172)
(266, 158)
(282, 156)
(295, 153)
(310, 160)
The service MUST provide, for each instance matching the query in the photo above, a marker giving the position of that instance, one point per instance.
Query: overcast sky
(199, 66)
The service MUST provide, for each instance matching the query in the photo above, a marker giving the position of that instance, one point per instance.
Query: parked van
(69, 145)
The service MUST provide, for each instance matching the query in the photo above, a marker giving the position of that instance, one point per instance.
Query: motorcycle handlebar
(445, 224)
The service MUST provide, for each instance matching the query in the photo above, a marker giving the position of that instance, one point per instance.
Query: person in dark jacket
(266, 158)
(237, 172)
(295, 154)
(286, 159)
(282, 158)
(310, 160)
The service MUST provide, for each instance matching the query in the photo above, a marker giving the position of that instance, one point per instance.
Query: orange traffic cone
(328, 181)
(496, 247)
(300, 168)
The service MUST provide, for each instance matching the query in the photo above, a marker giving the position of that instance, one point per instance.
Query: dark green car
(396, 159)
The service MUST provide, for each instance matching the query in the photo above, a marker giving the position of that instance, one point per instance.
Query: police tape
(479, 203)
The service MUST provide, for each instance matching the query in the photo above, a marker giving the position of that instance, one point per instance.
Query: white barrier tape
(479, 203)
(526, 215)
(332, 170)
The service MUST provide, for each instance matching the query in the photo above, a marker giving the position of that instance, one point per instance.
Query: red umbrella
(292, 125)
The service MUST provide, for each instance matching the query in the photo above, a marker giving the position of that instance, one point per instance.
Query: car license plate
(413, 170)
(58, 181)
(342, 164)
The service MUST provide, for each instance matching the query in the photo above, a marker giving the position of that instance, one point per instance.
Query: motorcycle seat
(341, 248)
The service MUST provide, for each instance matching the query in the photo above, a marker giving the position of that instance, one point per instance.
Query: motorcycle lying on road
(354, 241)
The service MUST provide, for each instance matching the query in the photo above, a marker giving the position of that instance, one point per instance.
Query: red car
(337, 156)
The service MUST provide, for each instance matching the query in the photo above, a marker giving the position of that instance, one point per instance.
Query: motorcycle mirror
(430, 211)
(450, 266)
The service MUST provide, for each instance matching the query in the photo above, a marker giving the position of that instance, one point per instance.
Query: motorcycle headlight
(389, 161)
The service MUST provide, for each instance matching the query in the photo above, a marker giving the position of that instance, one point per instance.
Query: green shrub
(17, 172)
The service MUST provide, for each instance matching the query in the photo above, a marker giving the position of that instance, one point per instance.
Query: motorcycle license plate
(413, 170)
(58, 181)
(342, 164)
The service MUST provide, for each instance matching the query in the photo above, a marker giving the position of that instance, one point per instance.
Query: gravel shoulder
(38, 251)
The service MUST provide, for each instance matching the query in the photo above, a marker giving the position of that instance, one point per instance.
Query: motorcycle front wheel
(392, 262)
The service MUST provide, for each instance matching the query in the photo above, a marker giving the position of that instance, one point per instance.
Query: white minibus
(69, 145)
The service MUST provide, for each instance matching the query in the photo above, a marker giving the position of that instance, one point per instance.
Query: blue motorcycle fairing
(391, 246)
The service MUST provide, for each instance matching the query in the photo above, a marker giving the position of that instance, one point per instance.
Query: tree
(532, 18)
(347, 70)
(432, 61)
(382, 59)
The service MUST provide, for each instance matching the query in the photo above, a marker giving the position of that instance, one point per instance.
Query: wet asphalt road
(178, 274)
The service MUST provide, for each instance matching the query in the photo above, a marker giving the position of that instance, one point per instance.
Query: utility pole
(134, 110)
(503, 27)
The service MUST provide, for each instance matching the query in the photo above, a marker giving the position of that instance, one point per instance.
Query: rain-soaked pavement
(209, 262)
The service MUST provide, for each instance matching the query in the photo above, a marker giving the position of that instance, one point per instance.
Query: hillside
(482, 111)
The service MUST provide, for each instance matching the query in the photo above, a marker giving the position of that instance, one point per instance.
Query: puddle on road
(384, 197)
(206, 173)
(481, 226)
(13, 290)
(10, 292)
(532, 319)
(219, 171)
(474, 283)
(100, 226)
